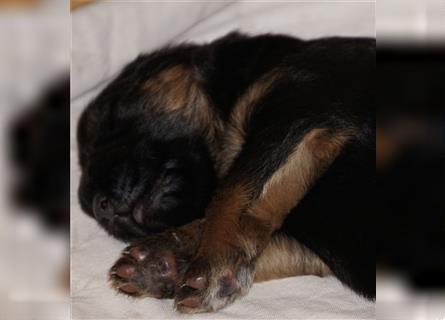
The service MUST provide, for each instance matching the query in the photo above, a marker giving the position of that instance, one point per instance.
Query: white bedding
(108, 35)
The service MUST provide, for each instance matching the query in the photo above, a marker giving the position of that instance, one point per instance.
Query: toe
(128, 288)
(167, 265)
(197, 283)
(189, 302)
(138, 253)
(125, 271)
(228, 285)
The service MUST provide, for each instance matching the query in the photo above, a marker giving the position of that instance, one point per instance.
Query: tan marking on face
(286, 257)
(235, 133)
(178, 90)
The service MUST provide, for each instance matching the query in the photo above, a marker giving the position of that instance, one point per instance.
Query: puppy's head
(134, 187)
(143, 168)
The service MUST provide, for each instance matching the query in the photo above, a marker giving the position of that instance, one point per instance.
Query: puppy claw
(175, 236)
(128, 288)
(190, 302)
(196, 283)
(137, 253)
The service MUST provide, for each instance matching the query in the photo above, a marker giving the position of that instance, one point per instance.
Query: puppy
(241, 160)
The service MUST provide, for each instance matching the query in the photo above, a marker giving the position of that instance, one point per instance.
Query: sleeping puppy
(241, 160)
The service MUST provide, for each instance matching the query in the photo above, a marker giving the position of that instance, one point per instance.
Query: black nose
(102, 207)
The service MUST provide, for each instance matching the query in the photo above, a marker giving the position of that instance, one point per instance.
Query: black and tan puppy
(245, 159)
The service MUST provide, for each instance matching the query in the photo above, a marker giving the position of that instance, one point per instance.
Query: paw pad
(125, 271)
(227, 284)
(144, 272)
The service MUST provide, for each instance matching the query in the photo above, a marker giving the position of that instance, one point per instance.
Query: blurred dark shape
(410, 164)
(40, 149)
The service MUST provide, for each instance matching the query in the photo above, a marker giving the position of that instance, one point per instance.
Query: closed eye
(173, 164)
(172, 194)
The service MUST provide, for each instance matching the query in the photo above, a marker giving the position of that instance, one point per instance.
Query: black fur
(39, 148)
(127, 146)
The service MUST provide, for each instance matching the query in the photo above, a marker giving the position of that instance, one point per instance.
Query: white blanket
(108, 35)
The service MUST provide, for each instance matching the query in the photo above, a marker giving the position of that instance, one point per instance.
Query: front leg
(258, 193)
(155, 266)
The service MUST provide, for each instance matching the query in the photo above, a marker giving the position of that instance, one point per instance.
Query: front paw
(150, 268)
(213, 282)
